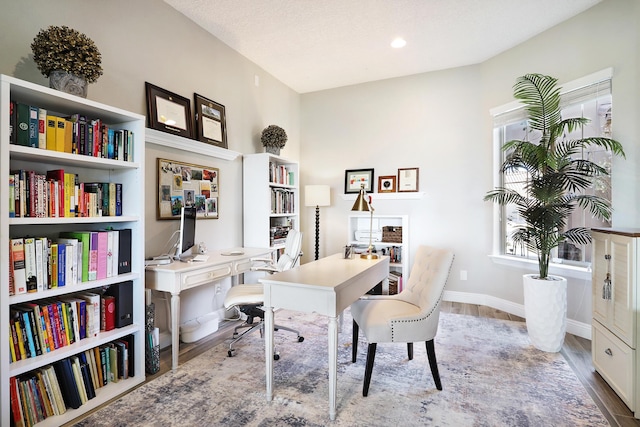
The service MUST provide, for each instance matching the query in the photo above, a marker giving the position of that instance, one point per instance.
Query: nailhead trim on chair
(393, 322)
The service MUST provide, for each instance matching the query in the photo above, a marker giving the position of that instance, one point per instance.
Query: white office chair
(249, 298)
(408, 317)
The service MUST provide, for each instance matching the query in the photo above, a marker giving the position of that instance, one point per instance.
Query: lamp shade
(317, 195)
(361, 204)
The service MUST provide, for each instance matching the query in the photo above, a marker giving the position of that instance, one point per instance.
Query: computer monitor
(187, 238)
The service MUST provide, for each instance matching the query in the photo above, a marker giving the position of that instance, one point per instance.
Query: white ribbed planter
(545, 306)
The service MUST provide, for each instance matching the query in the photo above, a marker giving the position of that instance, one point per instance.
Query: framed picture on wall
(211, 124)
(387, 184)
(355, 178)
(408, 179)
(168, 112)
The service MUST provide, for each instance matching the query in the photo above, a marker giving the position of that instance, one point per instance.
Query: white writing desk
(178, 276)
(326, 286)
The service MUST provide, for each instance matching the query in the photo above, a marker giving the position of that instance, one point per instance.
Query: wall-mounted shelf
(387, 196)
(164, 139)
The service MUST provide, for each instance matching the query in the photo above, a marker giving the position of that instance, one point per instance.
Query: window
(589, 97)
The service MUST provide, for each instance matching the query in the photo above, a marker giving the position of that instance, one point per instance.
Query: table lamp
(363, 204)
(317, 195)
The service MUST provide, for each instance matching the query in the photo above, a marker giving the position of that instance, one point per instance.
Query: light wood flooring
(576, 350)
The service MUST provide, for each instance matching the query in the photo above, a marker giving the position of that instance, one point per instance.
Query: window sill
(581, 273)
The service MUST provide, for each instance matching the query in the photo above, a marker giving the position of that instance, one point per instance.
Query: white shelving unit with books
(130, 174)
(393, 228)
(271, 199)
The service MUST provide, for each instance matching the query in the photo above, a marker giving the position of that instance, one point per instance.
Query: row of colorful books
(36, 127)
(70, 382)
(41, 327)
(280, 174)
(39, 263)
(59, 194)
(282, 201)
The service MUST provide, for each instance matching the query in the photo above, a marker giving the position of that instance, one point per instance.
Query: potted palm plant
(557, 176)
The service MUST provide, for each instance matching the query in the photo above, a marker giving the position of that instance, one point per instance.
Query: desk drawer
(615, 361)
(243, 266)
(198, 278)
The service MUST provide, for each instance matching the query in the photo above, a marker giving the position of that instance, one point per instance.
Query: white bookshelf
(261, 212)
(130, 174)
(363, 221)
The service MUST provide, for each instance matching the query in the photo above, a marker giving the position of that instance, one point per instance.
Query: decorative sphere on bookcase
(69, 58)
(273, 139)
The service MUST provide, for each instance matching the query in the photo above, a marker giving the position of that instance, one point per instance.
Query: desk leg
(268, 350)
(333, 365)
(175, 330)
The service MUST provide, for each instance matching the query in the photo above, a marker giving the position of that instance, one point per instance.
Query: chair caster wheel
(300, 339)
(231, 353)
(276, 357)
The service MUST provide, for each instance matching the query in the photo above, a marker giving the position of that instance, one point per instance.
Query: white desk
(327, 287)
(178, 276)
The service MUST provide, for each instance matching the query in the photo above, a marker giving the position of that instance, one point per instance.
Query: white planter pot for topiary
(545, 306)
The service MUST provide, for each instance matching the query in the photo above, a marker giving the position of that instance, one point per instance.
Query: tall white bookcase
(271, 198)
(130, 174)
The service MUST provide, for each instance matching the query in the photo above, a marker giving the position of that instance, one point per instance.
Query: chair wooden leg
(371, 355)
(410, 350)
(431, 354)
(354, 344)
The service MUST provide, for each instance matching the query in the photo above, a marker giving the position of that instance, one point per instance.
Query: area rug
(491, 376)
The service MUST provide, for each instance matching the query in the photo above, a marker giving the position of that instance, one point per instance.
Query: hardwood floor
(576, 351)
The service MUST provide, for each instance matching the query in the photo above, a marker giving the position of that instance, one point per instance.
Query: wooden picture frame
(168, 112)
(408, 180)
(187, 184)
(354, 178)
(387, 184)
(210, 119)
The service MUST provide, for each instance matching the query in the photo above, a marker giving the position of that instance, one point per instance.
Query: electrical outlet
(463, 274)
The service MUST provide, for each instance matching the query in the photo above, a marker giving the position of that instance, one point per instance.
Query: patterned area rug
(490, 374)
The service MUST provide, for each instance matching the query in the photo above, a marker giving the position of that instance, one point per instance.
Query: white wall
(440, 123)
(146, 40)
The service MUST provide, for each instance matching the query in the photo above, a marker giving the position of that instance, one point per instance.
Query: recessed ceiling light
(398, 42)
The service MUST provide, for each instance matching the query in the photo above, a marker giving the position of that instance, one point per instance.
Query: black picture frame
(211, 122)
(168, 112)
(354, 178)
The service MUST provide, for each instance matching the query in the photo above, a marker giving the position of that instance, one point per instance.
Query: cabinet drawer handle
(609, 352)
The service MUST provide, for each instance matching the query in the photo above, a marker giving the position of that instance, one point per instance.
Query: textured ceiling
(313, 45)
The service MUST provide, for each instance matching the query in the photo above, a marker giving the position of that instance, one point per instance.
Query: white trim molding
(574, 327)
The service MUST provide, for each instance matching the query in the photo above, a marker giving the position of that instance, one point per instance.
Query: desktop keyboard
(200, 258)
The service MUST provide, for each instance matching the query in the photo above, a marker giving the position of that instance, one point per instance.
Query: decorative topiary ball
(273, 136)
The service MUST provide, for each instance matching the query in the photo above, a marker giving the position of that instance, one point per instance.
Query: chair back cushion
(292, 248)
(428, 278)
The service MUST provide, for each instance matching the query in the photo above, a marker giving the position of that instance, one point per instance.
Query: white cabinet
(89, 169)
(271, 199)
(389, 236)
(615, 305)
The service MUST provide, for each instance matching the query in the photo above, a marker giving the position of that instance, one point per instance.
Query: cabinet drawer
(615, 361)
(200, 277)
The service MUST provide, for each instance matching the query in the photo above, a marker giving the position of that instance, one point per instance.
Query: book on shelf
(17, 412)
(18, 266)
(60, 133)
(33, 126)
(52, 123)
(73, 259)
(22, 121)
(103, 247)
(107, 312)
(12, 122)
(70, 393)
(93, 309)
(30, 264)
(42, 128)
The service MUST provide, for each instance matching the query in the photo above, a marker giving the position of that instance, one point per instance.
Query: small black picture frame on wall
(211, 126)
(168, 112)
(354, 179)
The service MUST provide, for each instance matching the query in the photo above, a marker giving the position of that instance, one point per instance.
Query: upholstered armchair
(408, 317)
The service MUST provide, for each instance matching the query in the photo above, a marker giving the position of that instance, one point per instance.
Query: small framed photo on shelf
(211, 124)
(387, 184)
(408, 180)
(168, 112)
(355, 178)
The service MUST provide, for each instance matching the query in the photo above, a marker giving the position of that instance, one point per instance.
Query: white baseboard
(574, 327)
